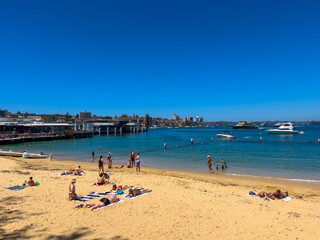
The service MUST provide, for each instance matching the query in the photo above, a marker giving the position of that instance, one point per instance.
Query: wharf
(45, 138)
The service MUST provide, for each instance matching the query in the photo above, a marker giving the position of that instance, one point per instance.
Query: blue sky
(223, 60)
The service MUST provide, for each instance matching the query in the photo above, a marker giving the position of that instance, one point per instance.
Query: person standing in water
(217, 166)
(210, 164)
(138, 162)
(222, 164)
(92, 156)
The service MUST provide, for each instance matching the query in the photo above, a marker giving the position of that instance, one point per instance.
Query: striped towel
(15, 188)
(92, 196)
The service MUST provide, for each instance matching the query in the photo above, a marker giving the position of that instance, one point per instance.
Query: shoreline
(313, 182)
(172, 211)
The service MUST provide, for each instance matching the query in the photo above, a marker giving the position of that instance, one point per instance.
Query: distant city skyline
(235, 60)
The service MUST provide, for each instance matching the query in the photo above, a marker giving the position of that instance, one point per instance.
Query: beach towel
(15, 188)
(110, 205)
(96, 184)
(126, 196)
(286, 199)
(91, 196)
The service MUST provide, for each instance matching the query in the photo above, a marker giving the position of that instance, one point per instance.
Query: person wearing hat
(210, 164)
(72, 191)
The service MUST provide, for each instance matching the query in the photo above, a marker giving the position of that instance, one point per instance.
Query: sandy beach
(183, 205)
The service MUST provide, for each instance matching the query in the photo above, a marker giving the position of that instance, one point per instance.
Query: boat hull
(282, 132)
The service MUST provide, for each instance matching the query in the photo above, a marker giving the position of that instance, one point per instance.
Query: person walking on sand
(72, 191)
(210, 164)
(100, 164)
(138, 163)
(92, 156)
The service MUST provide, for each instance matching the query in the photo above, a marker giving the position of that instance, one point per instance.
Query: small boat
(35, 155)
(10, 154)
(226, 135)
(285, 128)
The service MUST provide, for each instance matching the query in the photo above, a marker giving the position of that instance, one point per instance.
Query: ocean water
(285, 156)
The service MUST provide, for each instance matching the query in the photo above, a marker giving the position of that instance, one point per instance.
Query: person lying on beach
(275, 195)
(78, 171)
(109, 199)
(115, 189)
(71, 171)
(72, 191)
(31, 183)
(137, 191)
(278, 195)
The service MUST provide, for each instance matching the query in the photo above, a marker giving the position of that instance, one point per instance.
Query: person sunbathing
(67, 172)
(109, 199)
(100, 179)
(106, 178)
(31, 183)
(72, 191)
(278, 195)
(78, 171)
(137, 191)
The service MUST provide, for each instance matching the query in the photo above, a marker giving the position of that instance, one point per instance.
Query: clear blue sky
(223, 60)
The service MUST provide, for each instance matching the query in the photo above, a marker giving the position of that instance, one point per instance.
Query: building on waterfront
(198, 119)
(84, 115)
(3, 113)
(188, 119)
(175, 117)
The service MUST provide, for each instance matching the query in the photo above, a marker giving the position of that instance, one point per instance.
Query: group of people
(77, 171)
(223, 164)
(101, 162)
(134, 161)
(275, 195)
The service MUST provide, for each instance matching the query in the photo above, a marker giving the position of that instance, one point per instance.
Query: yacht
(285, 128)
(226, 135)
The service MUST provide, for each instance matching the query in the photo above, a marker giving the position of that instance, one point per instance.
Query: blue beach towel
(15, 188)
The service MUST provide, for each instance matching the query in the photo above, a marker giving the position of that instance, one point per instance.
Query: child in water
(217, 165)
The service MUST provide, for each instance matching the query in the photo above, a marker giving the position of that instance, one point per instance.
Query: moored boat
(226, 135)
(245, 125)
(285, 128)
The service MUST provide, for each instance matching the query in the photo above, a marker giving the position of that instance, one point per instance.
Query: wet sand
(183, 205)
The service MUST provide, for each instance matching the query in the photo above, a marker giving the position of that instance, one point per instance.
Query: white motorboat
(226, 135)
(285, 128)
(10, 154)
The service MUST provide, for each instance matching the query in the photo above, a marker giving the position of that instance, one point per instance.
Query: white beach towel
(110, 204)
(126, 196)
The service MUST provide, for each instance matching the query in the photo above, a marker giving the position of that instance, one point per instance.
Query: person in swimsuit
(109, 160)
(133, 157)
(72, 191)
(210, 164)
(137, 191)
(78, 171)
(31, 183)
(101, 163)
(222, 164)
(71, 171)
(92, 156)
(100, 179)
(109, 199)
(138, 163)
(217, 166)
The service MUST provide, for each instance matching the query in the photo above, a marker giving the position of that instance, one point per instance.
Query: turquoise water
(294, 157)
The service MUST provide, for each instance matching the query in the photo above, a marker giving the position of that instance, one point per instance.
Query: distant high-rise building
(84, 115)
(198, 119)
(175, 117)
(3, 113)
(188, 119)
